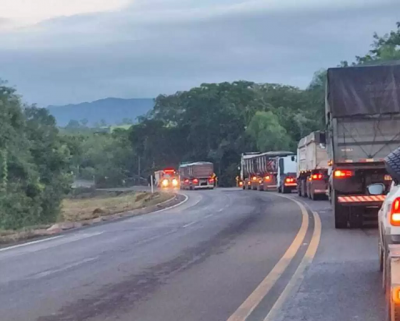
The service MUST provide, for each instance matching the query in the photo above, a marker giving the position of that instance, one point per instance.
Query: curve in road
(197, 261)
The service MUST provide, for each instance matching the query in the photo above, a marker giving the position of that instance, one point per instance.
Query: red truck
(198, 175)
(259, 171)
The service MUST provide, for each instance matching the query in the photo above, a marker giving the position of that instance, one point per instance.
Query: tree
(267, 132)
(34, 161)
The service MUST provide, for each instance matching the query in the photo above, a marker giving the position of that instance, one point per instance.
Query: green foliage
(267, 132)
(34, 164)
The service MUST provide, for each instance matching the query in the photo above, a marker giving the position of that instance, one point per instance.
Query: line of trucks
(354, 162)
(189, 176)
(345, 160)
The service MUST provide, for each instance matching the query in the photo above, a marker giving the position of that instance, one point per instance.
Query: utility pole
(151, 184)
(139, 168)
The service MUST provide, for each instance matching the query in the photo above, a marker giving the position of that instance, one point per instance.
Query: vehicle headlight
(174, 182)
(165, 182)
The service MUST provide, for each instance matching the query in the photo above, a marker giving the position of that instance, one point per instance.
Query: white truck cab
(287, 174)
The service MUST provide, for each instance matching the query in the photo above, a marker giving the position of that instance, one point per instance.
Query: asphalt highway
(224, 254)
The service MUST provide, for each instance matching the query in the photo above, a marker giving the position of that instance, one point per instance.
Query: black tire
(340, 213)
(393, 164)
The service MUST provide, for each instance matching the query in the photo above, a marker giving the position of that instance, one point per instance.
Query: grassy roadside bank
(90, 208)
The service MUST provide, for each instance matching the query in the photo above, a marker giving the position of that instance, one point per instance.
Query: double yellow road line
(248, 306)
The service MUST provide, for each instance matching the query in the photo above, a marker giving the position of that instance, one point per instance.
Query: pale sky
(33, 11)
(70, 51)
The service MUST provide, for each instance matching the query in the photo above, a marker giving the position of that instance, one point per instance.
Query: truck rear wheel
(340, 213)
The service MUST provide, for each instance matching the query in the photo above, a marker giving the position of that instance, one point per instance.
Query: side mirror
(376, 189)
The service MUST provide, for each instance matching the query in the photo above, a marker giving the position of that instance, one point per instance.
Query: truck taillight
(211, 180)
(394, 215)
(343, 173)
(289, 180)
(254, 178)
(267, 178)
(195, 181)
(388, 178)
(396, 294)
(316, 177)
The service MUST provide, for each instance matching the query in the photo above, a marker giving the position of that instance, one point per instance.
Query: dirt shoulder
(93, 208)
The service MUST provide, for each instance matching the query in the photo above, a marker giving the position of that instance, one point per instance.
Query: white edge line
(190, 224)
(59, 236)
(173, 206)
(30, 243)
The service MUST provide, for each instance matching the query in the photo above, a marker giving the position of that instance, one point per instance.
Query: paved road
(223, 255)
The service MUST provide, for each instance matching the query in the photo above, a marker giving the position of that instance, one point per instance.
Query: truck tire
(393, 164)
(340, 213)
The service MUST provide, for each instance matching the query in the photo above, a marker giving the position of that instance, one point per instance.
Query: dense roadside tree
(34, 164)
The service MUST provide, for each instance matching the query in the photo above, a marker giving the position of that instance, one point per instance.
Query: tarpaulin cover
(368, 90)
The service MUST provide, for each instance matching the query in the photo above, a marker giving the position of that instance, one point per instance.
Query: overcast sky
(70, 51)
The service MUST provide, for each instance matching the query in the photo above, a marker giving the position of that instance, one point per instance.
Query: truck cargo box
(312, 152)
(363, 112)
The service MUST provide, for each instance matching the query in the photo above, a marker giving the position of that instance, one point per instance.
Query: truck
(312, 166)
(248, 170)
(286, 174)
(362, 107)
(197, 175)
(259, 170)
(166, 178)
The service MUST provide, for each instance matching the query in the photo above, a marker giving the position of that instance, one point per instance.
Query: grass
(80, 209)
(86, 206)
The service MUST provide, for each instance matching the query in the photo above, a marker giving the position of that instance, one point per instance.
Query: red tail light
(240, 183)
(290, 180)
(195, 181)
(211, 180)
(254, 178)
(316, 177)
(394, 215)
(388, 178)
(267, 178)
(343, 173)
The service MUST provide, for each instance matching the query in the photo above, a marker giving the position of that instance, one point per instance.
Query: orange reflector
(267, 178)
(254, 178)
(388, 178)
(396, 294)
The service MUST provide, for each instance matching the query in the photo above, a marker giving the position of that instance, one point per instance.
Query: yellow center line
(294, 284)
(248, 306)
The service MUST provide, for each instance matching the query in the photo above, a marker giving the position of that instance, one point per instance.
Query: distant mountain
(110, 110)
